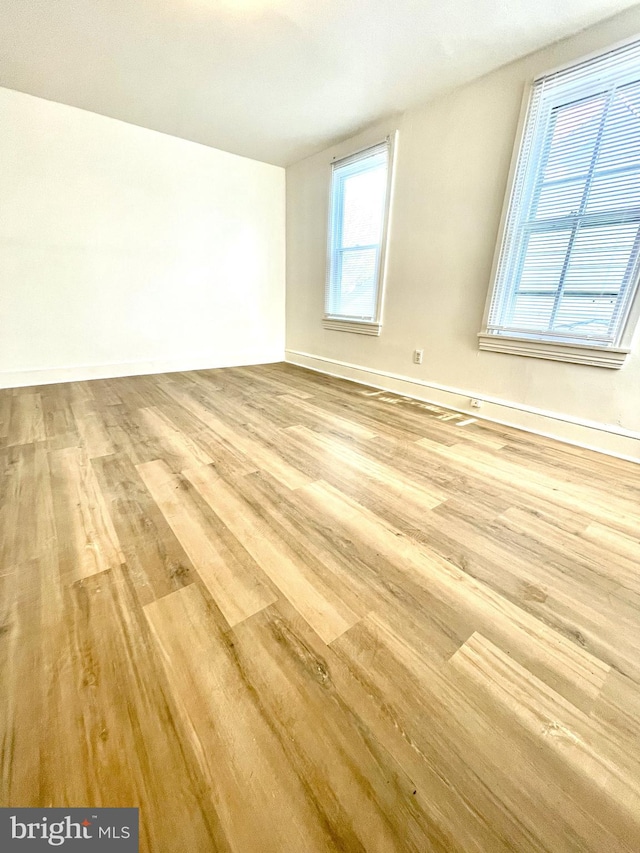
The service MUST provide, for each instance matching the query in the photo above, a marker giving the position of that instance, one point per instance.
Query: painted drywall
(126, 251)
(452, 166)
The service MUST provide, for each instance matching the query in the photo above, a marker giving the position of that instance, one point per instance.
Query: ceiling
(275, 80)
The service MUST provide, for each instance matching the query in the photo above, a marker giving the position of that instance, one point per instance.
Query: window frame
(594, 353)
(344, 323)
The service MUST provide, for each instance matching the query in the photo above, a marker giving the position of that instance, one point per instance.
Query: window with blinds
(568, 266)
(357, 229)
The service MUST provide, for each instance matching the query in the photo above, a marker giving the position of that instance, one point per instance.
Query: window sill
(595, 356)
(358, 327)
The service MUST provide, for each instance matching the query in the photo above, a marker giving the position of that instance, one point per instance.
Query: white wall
(126, 251)
(452, 163)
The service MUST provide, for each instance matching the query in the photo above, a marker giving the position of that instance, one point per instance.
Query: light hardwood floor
(283, 612)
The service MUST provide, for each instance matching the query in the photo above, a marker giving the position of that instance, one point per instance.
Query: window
(567, 270)
(360, 189)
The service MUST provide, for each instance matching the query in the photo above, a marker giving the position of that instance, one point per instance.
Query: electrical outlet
(475, 404)
(418, 355)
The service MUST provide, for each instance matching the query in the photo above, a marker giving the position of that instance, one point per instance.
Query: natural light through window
(359, 206)
(567, 272)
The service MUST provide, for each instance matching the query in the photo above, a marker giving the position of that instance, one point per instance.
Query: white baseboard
(79, 373)
(605, 438)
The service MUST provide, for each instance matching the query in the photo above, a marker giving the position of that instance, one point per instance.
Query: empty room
(320, 426)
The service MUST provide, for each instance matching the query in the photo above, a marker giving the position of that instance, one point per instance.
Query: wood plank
(261, 801)
(5, 414)
(237, 585)
(175, 443)
(572, 548)
(259, 456)
(563, 664)
(94, 436)
(620, 514)
(618, 711)
(128, 434)
(402, 632)
(357, 572)
(599, 782)
(368, 794)
(59, 421)
(86, 538)
(27, 420)
(225, 458)
(156, 562)
(323, 609)
(488, 754)
(31, 608)
(26, 506)
(340, 455)
(615, 541)
(330, 422)
(110, 734)
(398, 693)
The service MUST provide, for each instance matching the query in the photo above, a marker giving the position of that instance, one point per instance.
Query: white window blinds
(359, 201)
(568, 265)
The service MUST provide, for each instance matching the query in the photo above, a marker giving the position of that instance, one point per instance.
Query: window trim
(590, 353)
(596, 356)
(336, 322)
